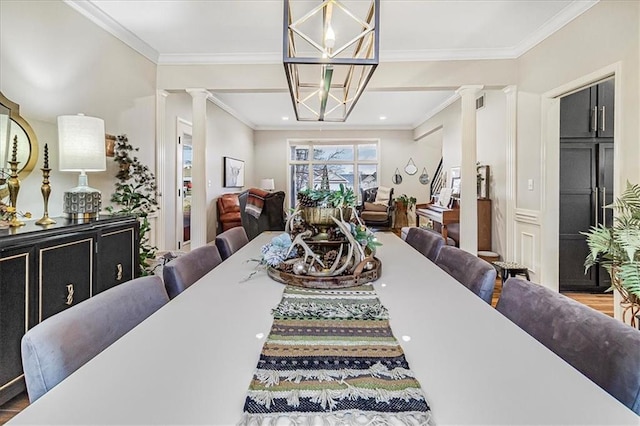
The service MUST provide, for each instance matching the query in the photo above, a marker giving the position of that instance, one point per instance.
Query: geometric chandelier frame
(329, 54)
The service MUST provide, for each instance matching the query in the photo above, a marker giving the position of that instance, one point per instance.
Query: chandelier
(330, 53)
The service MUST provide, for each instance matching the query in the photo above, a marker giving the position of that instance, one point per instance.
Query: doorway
(586, 181)
(184, 163)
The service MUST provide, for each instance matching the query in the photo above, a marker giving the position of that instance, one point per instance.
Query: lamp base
(82, 203)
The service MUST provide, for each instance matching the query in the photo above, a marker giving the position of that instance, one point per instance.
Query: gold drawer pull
(69, 294)
(119, 271)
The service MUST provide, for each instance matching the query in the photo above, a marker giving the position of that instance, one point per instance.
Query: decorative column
(198, 171)
(510, 175)
(468, 173)
(161, 145)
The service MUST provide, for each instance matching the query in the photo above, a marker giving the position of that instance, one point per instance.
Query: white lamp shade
(267, 184)
(81, 144)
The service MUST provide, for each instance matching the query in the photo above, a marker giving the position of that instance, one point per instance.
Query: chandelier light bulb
(330, 38)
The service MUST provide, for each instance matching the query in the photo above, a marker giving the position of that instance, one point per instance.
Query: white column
(510, 175)
(468, 174)
(198, 170)
(159, 228)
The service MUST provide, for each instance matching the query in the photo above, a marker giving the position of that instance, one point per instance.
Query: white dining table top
(192, 361)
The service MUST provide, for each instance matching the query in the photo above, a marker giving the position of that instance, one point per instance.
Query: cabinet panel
(117, 257)
(606, 91)
(576, 112)
(14, 318)
(65, 274)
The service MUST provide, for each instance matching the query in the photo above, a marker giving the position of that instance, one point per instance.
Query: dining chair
(605, 350)
(181, 272)
(231, 241)
(64, 342)
(427, 243)
(474, 273)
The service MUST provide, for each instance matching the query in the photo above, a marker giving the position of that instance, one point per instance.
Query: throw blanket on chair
(255, 202)
(331, 358)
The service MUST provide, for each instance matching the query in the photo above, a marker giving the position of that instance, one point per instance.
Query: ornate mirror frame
(27, 166)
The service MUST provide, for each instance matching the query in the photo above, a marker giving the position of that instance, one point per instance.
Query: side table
(506, 269)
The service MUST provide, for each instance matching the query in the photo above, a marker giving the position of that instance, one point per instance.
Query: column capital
(510, 89)
(198, 92)
(469, 89)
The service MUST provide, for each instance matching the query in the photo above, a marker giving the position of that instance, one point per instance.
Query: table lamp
(81, 142)
(267, 184)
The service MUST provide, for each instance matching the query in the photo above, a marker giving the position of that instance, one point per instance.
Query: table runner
(331, 357)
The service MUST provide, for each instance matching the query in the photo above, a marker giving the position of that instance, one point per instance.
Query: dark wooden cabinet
(586, 181)
(44, 271)
(589, 112)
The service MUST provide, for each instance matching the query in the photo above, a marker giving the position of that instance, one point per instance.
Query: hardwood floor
(13, 407)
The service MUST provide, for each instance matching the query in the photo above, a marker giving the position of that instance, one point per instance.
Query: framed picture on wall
(483, 181)
(233, 173)
(455, 187)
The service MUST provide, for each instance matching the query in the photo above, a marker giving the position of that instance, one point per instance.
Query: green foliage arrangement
(136, 194)
(617, 249)
(339, 198)
(409, 202)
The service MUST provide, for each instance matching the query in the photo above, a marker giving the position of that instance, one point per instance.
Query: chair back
(231, 241)
(61, 344)
(427, 243)
(183, 271)
(272, 217)
(605, 350)
(474, 273)
(372, 214)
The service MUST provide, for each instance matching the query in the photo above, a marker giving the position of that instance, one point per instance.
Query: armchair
(372, 214)
(271, 216)
(228, 212)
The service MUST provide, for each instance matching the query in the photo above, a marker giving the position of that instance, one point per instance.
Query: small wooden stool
(506, 269)
(489, 256)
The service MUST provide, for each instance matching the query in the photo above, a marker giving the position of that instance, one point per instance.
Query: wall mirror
(11, 125)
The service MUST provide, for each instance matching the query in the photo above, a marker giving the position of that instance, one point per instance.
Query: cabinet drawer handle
(602, 125)
(595, 206)
(69, 294)
(594, 119)
(604, 202)
(119, 271)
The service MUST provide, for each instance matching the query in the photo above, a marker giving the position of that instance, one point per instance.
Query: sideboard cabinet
(46, 270)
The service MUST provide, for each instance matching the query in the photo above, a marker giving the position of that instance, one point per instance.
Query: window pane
(299, 153)
(299, 181)
(368, 152)
(333, 152)
(337, 173)
(368, 176)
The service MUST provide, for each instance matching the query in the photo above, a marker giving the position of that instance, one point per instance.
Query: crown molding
(231, 111)
(450, 100)
(331, 127)
(107, 23)
(562, 18)
(222, 58)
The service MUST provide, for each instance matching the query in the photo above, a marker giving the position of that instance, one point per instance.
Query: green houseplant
(136, 194)
(617, 249)
(406, 201)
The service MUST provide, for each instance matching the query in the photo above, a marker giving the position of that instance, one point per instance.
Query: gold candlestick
(13, 183)
(46, 190)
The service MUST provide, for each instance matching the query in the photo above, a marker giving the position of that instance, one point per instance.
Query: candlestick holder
(13, 183)
(46, 191)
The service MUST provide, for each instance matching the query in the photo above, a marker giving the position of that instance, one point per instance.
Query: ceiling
(250, 32)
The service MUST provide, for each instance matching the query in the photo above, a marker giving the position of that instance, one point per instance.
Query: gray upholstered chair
(185, 270)
(375, 215)
(272, 217)
(474, 273)
(605, 350)
(427, 243)
(63, 343)
(231, 241)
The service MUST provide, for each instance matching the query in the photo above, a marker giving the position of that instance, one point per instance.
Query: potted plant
(135, 194)
(404, 203)
(617, 249)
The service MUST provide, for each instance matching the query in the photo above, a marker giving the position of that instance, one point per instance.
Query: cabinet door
(117, 257)
(14, 318)
(606, 91)
(65, 273)
(577, 119)
(578, 211)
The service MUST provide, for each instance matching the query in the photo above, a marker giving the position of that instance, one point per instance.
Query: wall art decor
(233, 173)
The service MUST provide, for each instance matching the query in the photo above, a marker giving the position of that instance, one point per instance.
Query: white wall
(226, 136)
(396, 147)
(54, 62)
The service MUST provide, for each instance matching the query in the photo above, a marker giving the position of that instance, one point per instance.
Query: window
(351, 163)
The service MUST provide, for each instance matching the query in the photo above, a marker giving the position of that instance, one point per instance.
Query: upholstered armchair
(228, 212)
(270, 214)
(373, 214)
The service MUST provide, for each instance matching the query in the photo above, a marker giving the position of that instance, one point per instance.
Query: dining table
(192, 361)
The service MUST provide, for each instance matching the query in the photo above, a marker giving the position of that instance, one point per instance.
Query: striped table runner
(331, 358)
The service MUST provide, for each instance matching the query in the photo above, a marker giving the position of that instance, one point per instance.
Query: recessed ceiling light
(285, 118)
(383, 117)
